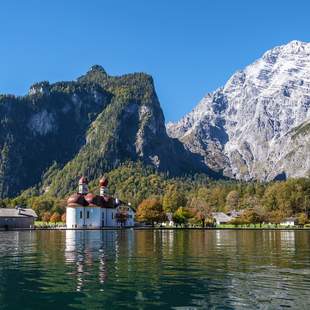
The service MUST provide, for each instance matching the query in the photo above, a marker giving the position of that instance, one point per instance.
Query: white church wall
(92, 217)
(75, 217)
(131, 218)
(96, 217)
(111, 218)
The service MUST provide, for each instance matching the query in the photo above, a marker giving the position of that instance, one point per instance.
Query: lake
(160, 269)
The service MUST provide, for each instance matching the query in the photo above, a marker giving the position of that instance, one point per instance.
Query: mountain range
(256, 127)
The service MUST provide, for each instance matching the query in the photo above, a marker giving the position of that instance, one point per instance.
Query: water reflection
(229, 261)
(155, 269)
(87, 251)
(288, 240)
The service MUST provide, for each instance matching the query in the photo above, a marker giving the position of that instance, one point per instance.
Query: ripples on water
(145, 269)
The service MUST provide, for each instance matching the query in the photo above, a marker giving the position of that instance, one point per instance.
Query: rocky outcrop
(85, 127)
(256, 126)
(44, 128)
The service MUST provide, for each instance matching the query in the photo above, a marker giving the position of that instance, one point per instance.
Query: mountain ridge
(241, 128)
(62, 130)
(255, 127)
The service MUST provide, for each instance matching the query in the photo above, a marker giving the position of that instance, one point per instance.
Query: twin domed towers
(83, 185)
(84, 198)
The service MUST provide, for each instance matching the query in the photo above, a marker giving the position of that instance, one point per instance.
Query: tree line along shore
(188, 200)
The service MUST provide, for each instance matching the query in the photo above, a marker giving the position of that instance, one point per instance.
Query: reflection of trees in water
(149, 267)
(31, 269)
(15, 273)
(238, 260)
(146, 268)
(175, 262)
(267, 272)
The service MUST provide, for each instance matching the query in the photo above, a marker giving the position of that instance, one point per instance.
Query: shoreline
(154, 228)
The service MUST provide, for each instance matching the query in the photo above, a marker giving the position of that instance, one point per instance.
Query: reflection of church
(95, 255)
(86, 210)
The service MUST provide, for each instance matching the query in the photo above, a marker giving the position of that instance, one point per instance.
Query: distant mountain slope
(60, 131)
(257, 125)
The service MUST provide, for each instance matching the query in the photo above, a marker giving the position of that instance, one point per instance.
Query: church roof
(106, 202)
(93, 200)
(90, 200)
(77, 199)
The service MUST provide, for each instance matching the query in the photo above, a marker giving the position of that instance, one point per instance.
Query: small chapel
(87, 210)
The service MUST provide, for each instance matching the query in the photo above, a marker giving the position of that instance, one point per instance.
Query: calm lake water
(145, 269)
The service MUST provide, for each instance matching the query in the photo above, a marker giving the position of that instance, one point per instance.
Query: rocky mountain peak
(245, 129)
(39, 88)
(97, 69)
(294, 47)
(96, 74)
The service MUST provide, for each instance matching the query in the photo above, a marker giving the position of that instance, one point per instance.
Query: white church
(86, 210)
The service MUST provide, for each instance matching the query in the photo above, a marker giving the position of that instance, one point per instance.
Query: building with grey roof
(221, 218)
(17, 218)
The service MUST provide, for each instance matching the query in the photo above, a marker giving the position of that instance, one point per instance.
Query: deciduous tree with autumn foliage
(150, 211)
(55, 218)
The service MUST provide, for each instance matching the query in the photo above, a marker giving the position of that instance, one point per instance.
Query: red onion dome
(77, 199)
(83, 180)
(93, 200)
(103, 182)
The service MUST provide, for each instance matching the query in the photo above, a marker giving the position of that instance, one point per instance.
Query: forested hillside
(85, 127)
(133, 182)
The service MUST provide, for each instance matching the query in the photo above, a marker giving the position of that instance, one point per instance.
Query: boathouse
(11, 218)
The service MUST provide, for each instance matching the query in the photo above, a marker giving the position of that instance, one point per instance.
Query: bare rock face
(44, 128)
(257, 125)
(42, 123)
(41, 88)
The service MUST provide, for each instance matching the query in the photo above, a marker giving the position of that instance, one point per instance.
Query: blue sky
(190, 47)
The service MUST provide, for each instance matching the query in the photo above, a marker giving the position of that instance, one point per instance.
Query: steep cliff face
(257, 125)
(60, 131)
(44, 127)
(131, 127)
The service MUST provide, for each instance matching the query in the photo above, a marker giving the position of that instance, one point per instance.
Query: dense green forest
(193, 196)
